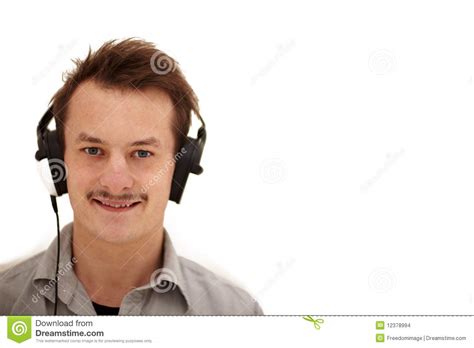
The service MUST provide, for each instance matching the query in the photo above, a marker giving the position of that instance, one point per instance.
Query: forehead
(118, 115)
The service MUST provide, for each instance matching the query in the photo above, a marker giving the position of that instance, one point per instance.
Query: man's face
(119, 150)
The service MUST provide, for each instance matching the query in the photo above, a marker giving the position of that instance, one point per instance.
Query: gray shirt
(180, 287)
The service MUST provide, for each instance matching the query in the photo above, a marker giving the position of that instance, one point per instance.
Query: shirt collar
(170, 275)
(162, 280)
(44, 276)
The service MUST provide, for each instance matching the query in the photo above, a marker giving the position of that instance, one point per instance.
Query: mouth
(115, 206)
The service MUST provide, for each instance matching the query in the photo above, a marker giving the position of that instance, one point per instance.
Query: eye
(92, 151)
(143, 154)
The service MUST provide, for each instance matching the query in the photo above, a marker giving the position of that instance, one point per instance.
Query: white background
(339, 162)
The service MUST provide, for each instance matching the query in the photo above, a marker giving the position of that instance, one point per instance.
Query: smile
(116, 206)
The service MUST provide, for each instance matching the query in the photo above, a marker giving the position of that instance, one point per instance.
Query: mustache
(123, 197)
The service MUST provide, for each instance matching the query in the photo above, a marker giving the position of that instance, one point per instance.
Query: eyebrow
(83, 137)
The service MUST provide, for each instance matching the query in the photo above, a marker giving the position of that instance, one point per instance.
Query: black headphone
(50, 157)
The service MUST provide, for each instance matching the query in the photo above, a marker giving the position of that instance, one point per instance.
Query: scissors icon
(315, 322)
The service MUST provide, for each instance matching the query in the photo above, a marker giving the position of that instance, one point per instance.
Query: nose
(116, 176)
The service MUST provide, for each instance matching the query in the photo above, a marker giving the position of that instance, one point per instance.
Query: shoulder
(209, 293)
(14, 280)
(26, 266)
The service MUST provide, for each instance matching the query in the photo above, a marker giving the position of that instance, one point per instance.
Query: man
(121, 117)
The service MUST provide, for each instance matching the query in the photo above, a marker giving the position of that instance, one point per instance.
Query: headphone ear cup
(182, 169)
(57, 166)
(46, 176)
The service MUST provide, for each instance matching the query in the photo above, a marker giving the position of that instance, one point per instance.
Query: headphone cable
(55, 208)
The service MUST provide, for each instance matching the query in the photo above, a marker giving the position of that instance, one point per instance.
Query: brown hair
(130, 64)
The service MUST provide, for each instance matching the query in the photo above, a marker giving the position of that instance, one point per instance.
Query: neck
(109, 271)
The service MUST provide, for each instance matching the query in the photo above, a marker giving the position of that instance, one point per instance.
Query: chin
(116, 234)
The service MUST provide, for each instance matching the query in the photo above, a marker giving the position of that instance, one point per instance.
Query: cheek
(80, 179)
(77, 189)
